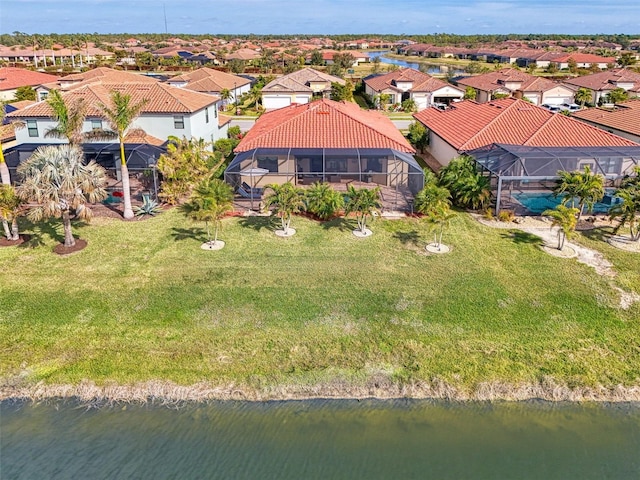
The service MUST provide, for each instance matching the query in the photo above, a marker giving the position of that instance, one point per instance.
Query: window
(32, 126)
(215, 113)
(178, 122)
(269, 163)
(206, 115)
(43, 95)
(96, 124)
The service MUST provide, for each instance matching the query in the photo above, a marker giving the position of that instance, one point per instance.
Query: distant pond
(321, 440)
(432, 69)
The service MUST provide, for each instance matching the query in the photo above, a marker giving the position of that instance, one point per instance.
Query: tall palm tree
(627, 211)
(364, 203)
(59, 183)
(287, 200)
(211, 199)
(323, 201)
(70, 118)
(565, 218)
(10, 204)
(120, 115)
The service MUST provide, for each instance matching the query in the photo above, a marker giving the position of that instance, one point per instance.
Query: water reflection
(432, 69)
(321, 439)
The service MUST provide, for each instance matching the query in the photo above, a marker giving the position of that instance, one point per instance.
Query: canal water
(320, 440)
(432, 69)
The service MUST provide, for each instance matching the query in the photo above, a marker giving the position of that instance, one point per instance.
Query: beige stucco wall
(441, 150)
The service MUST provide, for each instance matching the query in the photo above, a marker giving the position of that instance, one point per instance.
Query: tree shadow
(194, 233)
(40, 231)
(411, 237)
(338, 223)
(600, 233)
(520, 237)
(257, 223)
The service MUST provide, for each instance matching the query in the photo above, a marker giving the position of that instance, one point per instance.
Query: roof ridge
(489, 124)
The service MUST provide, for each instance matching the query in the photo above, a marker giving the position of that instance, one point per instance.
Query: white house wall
(441, 150)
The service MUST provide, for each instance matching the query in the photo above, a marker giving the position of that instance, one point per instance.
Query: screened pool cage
(518, 171)
(303, 166)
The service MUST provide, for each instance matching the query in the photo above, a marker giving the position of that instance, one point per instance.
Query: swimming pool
(538, 202)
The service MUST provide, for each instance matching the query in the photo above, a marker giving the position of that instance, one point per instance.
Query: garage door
(557, 100)
(273, 102)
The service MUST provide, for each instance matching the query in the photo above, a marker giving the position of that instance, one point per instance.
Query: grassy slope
(143, 301)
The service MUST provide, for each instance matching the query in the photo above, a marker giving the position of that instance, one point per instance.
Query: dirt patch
(62, 250)
(13, 243)
(624, 243)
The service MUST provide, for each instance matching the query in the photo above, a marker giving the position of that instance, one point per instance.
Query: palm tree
(627, 211)
(364, 203)
(10, 205)
(323, 201)
(58, 182)
(434, 202)
(586, 187)
(582, 96)
(468, 187)
(120, 115)
(211, 199)
(565, 218)
(287, 200)
(225, 94)
(70, 118)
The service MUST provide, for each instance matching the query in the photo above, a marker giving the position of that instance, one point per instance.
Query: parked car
(551, 108)
(572, 107)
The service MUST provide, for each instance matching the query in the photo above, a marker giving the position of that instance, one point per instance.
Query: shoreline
(169, 393)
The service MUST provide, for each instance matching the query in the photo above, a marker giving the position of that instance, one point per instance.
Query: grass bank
(319, 312)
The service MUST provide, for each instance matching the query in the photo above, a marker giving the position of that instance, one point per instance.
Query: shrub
(506, 215)
(488, 214)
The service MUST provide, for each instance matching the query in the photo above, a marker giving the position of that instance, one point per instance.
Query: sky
(330, 17)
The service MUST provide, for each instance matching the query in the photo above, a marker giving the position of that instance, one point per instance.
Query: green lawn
(144, 302)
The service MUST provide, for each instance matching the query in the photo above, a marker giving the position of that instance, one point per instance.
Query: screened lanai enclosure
(396, 171)
(523, 177)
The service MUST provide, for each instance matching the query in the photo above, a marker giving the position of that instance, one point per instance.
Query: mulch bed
(12, 243)
(60, 249)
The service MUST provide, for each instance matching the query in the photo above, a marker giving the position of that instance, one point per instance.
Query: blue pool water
(538, 202)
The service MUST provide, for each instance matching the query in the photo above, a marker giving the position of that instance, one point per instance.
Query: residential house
(602, 83)
(12, 78)
(512, 82)
(408, 83)
(244, 54)
(213, 82)
(168, 111)
(622, 120)
(327, 141)
(358, 57)
(297, 87)
(582, 60)
(469, 125)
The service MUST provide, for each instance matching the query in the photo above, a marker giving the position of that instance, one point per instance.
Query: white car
(572, 107)
(551, 108)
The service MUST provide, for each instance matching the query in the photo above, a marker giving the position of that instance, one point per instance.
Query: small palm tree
(56, 179)
(364, 203)
(582, 96)
(587, 188)
(287, 200)
(225, 95)
(120, 115)
(439, 216)
(209, 202)
(10, 206)
(434, 202)
(323, 201)
(565, 218)
(627, 211)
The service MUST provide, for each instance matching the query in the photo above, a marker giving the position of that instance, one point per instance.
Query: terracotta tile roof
(421, 81)
(7, 133)
(492, 81)
(21, 104)
(324, 124)
(625, 117)
(223, 119)
(299, 81)
(209, 80)
(607, 80)
(584, 58)
(138, 136)
(106, 75)
(160, 98)
(12, 78)
(468, 125)
(243, 54)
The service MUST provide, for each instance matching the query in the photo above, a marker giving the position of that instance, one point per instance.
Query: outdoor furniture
(253, 190)
(250, 192)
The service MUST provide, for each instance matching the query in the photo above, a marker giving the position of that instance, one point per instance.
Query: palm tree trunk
(69, 241)
(560, 239)
(206, 223)
(440, 239)
(215, 232)
(15, 232)
(126, 186)
(5, 177)
(5, 226)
